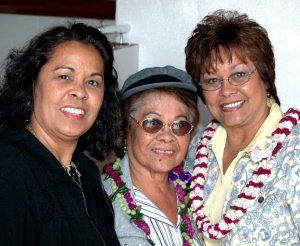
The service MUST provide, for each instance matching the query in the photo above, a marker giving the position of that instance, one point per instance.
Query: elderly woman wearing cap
(148, 186)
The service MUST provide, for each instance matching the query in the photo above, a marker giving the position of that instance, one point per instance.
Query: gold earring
(124, 148)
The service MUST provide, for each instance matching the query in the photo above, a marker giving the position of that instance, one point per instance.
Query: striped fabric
(163, 232)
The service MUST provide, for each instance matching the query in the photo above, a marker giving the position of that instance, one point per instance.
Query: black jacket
(41, 205)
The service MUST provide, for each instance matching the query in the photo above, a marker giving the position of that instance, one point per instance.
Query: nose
(227, 88)
(79, 92)
(165, 134)
(222, 80)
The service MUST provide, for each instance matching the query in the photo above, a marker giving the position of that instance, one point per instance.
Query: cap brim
(179, 85)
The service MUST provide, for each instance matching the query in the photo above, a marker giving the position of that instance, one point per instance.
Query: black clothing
(41, 205)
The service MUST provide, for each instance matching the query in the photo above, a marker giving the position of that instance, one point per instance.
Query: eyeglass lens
(179, 128)
(234, 79)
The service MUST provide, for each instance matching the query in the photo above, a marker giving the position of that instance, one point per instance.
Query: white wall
(15, 30)
(162, 27)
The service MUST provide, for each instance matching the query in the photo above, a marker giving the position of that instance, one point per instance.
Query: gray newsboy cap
(157, 77)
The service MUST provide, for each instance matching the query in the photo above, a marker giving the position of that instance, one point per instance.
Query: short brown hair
(235, 34)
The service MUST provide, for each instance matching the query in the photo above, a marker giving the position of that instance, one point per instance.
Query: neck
(62, 150)
(145, 176)
(231, 149)
(238, 138)
(239, 143)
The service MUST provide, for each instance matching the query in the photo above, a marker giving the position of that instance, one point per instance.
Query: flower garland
(247, 197)
(119, 188)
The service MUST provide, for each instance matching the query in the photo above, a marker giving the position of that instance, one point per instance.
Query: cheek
(96, 100)
(184, 143)
(210, 97)
(50, 93)
(40, 95)
(138, 139)
(141, 140)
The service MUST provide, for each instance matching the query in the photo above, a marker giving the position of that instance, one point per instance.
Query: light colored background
(15, 30)
(162, 27)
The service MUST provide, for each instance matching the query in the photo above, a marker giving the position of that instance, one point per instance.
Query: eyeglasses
(152, 126)
(236, 79)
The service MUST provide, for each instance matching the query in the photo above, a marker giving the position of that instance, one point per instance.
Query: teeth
(164, 151)
(232, 105)
(73, 111)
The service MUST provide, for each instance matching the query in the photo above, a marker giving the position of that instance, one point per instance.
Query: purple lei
(178, 173)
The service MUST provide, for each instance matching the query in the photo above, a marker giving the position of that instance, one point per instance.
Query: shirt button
(261, 199)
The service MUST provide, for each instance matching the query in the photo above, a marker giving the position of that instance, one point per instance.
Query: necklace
(73, 172)
(247, 197)
(234, 146)
(176, 175)
(31, 130)
(71, 169)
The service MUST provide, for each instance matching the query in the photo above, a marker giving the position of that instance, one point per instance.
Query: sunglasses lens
(181, 128)
(152, 125)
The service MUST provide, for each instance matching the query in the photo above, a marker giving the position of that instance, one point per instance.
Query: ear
(267, 86)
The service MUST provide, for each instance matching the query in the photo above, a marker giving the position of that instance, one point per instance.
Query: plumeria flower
(257, 154)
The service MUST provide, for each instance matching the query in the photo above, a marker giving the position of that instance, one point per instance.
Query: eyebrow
(238, 64)
(176, 117)
(232, 66)
(73, 70)
(64, 67)
(97, 74)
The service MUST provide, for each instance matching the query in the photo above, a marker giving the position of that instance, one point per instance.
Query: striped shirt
(163, 232)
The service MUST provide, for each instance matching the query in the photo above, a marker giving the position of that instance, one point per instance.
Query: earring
(124, 148)
(28, 111)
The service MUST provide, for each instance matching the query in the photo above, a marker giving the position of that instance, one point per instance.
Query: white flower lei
(247, 197)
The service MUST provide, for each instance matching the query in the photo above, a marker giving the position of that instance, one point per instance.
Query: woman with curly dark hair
(58, 99)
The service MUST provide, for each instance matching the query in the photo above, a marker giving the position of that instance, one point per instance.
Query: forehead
(158, 100)
(73, 48)
(75, 53)
(153, 99)
(222, 55)
(73, 45)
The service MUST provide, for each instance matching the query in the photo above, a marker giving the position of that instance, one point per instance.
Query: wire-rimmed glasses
(236, 79)
(152, 126)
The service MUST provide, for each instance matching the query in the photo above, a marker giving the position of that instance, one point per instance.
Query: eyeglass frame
(230, 82)
(140, 123)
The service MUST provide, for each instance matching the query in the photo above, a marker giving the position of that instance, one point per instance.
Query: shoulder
(15, 154)
(293, 139)
(13, 159)
(288, 158)
(295, 132)
(292, 116)
(106, 183)
(123, 168)
(19, 174)
(8, 148)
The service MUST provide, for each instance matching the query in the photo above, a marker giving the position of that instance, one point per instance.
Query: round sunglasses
(152, 126)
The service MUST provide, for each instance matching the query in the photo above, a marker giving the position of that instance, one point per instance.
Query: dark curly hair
(21, 71)
(236, 34)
